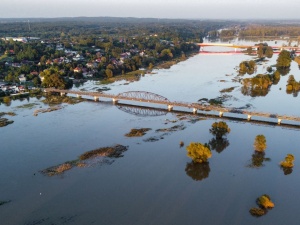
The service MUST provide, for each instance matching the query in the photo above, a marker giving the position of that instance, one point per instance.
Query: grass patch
(137, 132)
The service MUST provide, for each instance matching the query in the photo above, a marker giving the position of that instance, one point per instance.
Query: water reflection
(218, 144)
(287, 170)
(258, 158)
(254, 92)
(197, 171)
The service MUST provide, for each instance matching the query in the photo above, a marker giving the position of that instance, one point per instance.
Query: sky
(188, 9)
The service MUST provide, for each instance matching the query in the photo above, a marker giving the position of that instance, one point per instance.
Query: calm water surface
(154, 182)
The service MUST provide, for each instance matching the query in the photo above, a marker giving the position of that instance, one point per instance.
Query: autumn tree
(219, 129)
(198, 152)
(284, 61)
(260, 143)
(288, 161)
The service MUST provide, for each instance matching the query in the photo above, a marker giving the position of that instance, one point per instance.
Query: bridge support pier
(220, 114)
(279, 121)
(249, 117)
(195, 110)
(115, 101)
(96, 99)
(170, 107)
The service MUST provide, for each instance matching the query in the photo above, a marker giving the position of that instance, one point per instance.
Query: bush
(260, 143)
(265, 201)
(6, 99)
(198, 152)
(288, 162)
(219, 129)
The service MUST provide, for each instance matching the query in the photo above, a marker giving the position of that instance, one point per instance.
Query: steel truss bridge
(151, 98)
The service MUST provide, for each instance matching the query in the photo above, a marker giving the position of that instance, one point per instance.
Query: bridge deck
(243, 46)
(195, 106)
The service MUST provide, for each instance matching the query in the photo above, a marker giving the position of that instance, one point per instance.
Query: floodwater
(154, 182)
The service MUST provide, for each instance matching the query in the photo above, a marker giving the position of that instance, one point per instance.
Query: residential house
(22, 78)
(78, 57)
(77, 70)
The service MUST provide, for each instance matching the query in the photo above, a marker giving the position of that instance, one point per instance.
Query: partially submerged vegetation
(288, 161)
(172, 129)
(53, 99)
(248, 67)
(219, 129)
(199, 152)
(264, 202)
(83, 160)
(27, 106)
(137, 132)
(50, 109)
(114, 152)
(227, 89)
(293, 86)
(4, 121)
(260, 143)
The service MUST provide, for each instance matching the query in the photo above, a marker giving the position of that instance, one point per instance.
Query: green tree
(260, 143)
(109, 73)
(219, 129)
(284, 59)
(198, 152)
(269, 52)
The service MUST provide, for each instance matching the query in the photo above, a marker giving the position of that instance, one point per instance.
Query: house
(16, 65)
(34, 73)
(22, 78)
(77, 70)
(91, 65)
(78, 58)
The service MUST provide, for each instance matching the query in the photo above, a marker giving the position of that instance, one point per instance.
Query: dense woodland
(104, 47)
(94, 47)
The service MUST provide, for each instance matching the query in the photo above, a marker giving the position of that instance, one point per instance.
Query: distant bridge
(245, 46)
(148, 97)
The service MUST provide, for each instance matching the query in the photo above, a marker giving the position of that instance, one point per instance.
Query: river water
(154, 182)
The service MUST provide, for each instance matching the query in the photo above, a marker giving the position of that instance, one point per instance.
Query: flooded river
(154, 182)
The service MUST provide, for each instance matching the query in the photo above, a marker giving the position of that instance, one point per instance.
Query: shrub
(198, 152)
(219, 129)
(6, 99)
(260, 143)
(265, 201)
(288, 162)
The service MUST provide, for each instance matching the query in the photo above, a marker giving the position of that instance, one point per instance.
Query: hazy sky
(214, 9)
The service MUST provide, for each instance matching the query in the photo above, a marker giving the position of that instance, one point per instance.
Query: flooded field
(150, 180)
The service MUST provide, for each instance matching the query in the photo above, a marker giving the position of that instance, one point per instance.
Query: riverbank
(135, 75)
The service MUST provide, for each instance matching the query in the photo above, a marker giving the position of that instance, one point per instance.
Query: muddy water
(154, 182)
